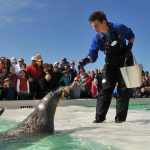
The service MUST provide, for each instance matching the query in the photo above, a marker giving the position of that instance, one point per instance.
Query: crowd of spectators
(144, 90)
(19, 81)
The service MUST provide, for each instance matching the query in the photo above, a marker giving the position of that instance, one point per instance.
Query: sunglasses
(76, 80)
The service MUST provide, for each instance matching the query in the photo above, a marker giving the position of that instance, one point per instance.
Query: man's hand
(83, 62)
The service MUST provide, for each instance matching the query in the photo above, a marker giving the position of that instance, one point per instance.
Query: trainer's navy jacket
(123, 32)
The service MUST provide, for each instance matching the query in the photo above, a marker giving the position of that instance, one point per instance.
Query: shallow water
(140, 107)
(136, 104)
(57, 141)
(74, 130)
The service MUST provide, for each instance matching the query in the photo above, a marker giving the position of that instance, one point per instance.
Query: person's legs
(124, 94)
(105, 94)
(122, 100)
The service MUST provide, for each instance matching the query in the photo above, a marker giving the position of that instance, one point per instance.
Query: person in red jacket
(36, 72)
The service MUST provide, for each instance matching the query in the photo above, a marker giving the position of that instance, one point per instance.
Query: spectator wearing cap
(19, 66)
(72, 72)
(35, 72)
(38, 56)
(23, 89)
(13, 61)
(56, 64)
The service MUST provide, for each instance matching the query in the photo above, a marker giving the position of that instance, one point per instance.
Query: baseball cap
(13, 59)
(20, 59)
(33, 58)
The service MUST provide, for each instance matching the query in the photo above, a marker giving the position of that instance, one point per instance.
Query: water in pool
(57, 141)
(74, 130)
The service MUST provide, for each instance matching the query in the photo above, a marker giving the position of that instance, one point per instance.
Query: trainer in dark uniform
(116, 41)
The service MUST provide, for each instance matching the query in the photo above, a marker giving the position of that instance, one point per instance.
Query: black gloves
(128, 51)
(83, 62)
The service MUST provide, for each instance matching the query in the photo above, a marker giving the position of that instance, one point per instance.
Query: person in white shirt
(19, 66)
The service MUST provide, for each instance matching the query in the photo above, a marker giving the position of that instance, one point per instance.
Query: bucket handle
(134, 60)
(125, 65)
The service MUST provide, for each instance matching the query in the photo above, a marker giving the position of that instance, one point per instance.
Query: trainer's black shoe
(119, 120)
(2, 110)
(98, 120)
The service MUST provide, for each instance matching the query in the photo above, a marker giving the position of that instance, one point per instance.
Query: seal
(41, 120)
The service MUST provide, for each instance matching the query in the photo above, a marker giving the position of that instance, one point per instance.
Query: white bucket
(132, 75)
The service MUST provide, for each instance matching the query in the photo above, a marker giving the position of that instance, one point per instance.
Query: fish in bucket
(132, 75)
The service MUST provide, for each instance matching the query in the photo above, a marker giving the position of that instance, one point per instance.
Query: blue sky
(60, 28)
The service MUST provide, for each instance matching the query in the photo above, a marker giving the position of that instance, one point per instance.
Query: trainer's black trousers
(111, 76)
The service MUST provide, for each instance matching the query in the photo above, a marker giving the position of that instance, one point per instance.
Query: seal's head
(65, 91)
